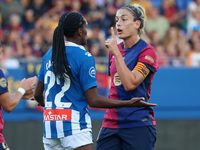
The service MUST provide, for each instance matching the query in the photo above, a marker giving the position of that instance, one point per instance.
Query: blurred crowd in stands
(172, 27)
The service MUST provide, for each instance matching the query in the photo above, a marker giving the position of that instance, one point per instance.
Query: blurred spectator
(8, 60)
(25, 3)
(38, 7)
(154, 38)
(96, 40)
(9, 7)
(193, 59)
(29, 33)
(14, 25)
(95, 49)
(111, 10)
(28, 53)
(76, 6)
(50, 21)
(162, 57)
(170, 10)
(14, 41)
(28, 22)
(157, 23)
(195, 35)
(58, 7)
(146, 4)
(95, 14)
(174, 42)
(48, 39)
(38, 45)
(193, 17)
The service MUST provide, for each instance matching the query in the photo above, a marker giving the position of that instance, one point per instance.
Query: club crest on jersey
(116, 79)
(3, 82)
(92, 72)
(57, 114)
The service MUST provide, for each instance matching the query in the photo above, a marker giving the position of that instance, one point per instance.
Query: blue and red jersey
(134, 116)
(3, 89)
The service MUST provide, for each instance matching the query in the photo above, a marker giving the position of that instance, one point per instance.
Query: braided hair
(68, 24)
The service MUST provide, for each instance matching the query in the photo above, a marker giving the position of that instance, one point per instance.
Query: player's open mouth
(119, 31)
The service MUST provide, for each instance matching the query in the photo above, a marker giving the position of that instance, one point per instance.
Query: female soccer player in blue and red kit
(132, 65)
(9, 102)
(68, 77)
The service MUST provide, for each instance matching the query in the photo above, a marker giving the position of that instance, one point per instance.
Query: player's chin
(120, 36)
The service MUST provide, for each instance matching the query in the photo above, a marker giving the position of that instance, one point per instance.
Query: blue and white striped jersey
(66, 110)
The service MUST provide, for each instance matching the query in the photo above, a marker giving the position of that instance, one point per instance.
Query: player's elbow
(92, 104)
(7, 109)
(129, 87)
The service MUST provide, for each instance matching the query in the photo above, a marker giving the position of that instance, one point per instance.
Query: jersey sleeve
(3, 83)
(109, 58)
(148, 57)
(88, 73)
(41, 72)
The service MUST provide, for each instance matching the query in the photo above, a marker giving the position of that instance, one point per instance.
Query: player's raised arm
(9, 102)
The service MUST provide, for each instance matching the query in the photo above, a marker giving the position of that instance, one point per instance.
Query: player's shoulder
(149, 48)
(3, 81)
(1, 73)
(77, 51)
(47, 54)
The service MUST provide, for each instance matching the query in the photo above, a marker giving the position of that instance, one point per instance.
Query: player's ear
(80, 31)
(137, 24)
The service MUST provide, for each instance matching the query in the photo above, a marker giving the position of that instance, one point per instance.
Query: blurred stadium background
(173, 28)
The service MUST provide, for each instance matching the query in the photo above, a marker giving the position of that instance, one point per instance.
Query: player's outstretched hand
(32, 80)
(28, 85)
(139, 102)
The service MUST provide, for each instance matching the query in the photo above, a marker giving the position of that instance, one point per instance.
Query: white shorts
(68, 143)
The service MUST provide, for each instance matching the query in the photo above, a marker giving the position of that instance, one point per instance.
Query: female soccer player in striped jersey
(132, 65)
(68, 77)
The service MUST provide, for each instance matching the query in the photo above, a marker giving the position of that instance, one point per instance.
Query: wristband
(21, 90)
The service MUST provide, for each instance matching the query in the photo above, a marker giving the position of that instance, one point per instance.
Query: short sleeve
(148, 56)
(41, 72)
(88, 73)
(3, 83)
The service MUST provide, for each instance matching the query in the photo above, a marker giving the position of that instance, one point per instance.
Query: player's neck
(129, 42)
(73, 41)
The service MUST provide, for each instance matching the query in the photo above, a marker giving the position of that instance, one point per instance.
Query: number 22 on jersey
(52, 81)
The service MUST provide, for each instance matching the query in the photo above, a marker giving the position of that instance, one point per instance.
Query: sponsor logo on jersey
(3, 82)
(88, 54)
(57, 114)
(92, 72)
(116, 79)
(144, 120)
(149, 58)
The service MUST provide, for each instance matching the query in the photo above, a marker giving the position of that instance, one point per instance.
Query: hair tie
(130, 10)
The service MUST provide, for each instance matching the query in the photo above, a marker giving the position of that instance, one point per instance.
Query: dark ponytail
(69, 23)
